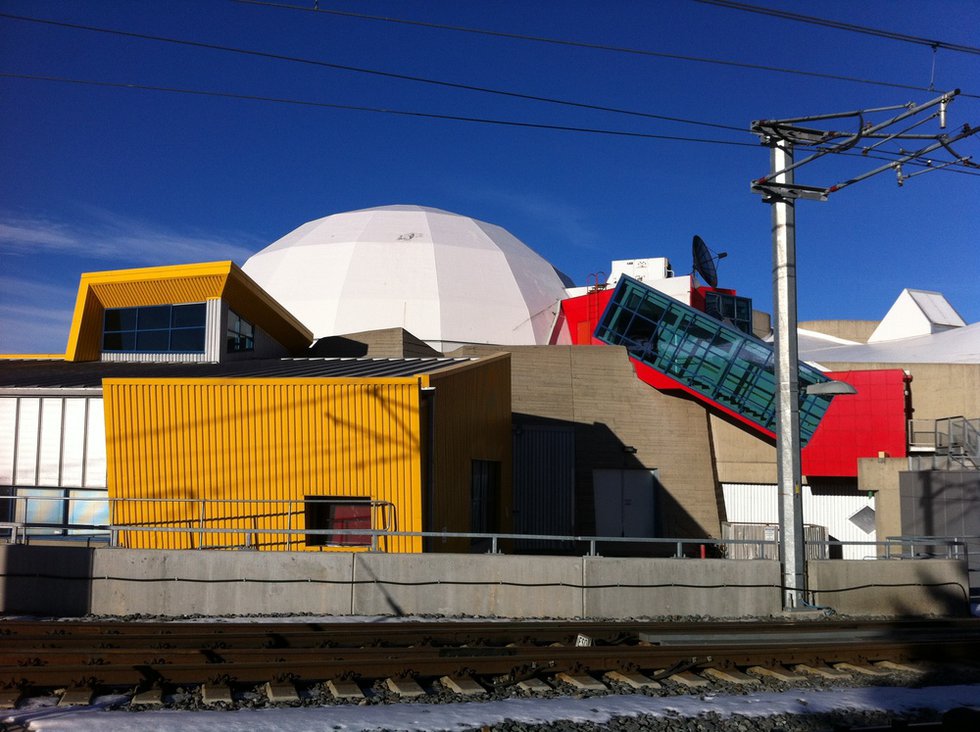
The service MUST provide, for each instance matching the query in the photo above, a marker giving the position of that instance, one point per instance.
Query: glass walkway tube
(717, 361)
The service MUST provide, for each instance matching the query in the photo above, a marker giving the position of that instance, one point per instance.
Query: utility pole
(780, 190)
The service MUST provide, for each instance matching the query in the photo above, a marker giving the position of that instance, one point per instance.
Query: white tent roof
(445, 278)
(958, 345)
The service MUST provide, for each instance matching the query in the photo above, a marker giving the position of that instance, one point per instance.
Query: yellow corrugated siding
(256, 439)
(159, 292)
(472, 422)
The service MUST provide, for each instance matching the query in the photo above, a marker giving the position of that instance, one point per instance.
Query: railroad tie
(690, 680)
(731, 676)
(464, 685)
(79, 696)
(535, 686)
(212, 694)
(148, 697)
(779, 673)
(861, 668)
(633, 680)
(823, 671)
(583, 682)
(404, 687)
(902, 667)
(279, 692)
(345, 689)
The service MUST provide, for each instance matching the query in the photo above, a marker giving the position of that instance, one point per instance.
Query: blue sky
(97, 178)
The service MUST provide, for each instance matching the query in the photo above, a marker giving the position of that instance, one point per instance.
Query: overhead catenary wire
(426, 115)
(378, 110)
(364, 70)
(591, 45)
(844, 26)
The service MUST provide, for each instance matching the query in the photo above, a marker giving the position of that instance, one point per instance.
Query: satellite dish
(704, 261)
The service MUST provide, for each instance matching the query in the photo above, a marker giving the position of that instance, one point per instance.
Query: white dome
(445, 278)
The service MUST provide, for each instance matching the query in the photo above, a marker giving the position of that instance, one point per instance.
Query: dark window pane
(120, 319)
(187, 339)
(240, 334)
(154, 317)
(187, 316)
(125, 341)
(154, 341)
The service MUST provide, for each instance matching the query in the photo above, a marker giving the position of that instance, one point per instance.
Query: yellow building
(220, 431)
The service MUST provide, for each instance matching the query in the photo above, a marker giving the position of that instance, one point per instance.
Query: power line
(372, 72)
(840, 25)
(592, 46)
(879, 154)
(377, 110)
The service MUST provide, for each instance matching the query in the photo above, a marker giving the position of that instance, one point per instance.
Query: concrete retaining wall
(891, 587)
(71, 581)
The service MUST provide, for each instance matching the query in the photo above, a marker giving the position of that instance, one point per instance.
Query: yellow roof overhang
(175, 284)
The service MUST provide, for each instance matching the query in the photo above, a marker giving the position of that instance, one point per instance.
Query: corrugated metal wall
(829, 506)
(544, 482)
(250, 440)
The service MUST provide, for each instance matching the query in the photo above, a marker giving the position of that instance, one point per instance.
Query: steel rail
(55, 659)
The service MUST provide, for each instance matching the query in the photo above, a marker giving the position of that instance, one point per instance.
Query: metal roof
(54, 374)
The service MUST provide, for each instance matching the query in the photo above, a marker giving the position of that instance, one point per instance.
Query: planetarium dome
(446, 278)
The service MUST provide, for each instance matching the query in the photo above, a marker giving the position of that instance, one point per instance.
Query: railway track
(81, 659)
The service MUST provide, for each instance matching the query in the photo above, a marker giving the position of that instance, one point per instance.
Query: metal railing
(255, 529)
(921, 435)
(958, 438)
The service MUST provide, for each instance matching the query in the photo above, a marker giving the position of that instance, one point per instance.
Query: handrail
(384, 525)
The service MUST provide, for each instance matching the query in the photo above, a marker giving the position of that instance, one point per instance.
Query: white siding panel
(95, 466)
(73, 451)
(8, 435)
(52, 442)
(28, 422)
(49, 448)
(831, 508)
(215, 330)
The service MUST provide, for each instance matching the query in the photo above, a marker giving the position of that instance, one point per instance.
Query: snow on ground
(434, 717)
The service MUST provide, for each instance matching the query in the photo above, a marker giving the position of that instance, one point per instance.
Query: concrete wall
(72, 581)
(620, 423)
(852, 330)
(881, 476)
(891, 587)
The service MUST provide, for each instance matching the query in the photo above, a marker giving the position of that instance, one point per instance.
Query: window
(338, 512)
(730, 308)
(155, 329)
(241, 334)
